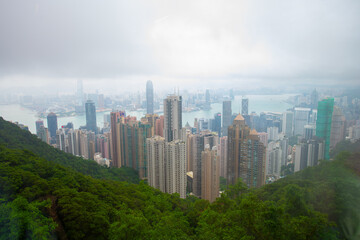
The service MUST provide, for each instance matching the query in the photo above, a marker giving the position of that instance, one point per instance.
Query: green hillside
(41, 198)
(13, 137)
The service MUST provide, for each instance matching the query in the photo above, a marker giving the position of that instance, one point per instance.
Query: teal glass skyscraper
(323, 123)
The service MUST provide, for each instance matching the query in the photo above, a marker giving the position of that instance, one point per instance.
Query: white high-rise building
(287, 124)
(301, 119)
(175, 164)
(156, 162)
(172, 117)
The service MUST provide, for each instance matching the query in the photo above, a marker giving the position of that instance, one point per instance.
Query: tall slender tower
(149, 97)
(38, 124)
(172, 117)
(175, 162)
(337, 127)
(323, 123)
(226, 114)
(245, 106)
(116, 118)
(210, 177)
(197, 145)
(52, 126)
(246, 155)
(156, 162)
(90, 116)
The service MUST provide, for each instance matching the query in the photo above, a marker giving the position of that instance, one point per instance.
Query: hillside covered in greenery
(13, 137)
(45, 199)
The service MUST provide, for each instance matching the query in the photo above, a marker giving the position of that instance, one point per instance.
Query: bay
(257, 103)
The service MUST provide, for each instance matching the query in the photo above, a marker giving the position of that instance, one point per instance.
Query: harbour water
(257, 103)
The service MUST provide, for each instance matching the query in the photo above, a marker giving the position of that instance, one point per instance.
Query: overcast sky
(119, 45)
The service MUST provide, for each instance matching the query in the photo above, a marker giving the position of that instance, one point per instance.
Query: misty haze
(179, 120)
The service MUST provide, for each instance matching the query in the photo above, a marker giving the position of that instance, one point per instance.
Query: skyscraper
(90, 116)
(172, 117)
(245, 106)
(149, 97)
(210, 176)
(116, 118)
(156, 162)
(287, 123)
(226, 114)
(337, 127)
(216, 126)
(223, 156)
(38, 124)
(246, 155)
(175, 162)
(197, 145)
(52, 126)
(314, 99)
(300, 120)
(323, 123)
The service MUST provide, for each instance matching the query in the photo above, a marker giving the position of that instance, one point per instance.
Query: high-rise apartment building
(210, 173)
(52, 126)
(172, 117)
(116, 118)
(175, 162)
(90, 112)
(38, 124)
(226, 114)
(323, 123)
(300, 120)
(337, 127)
(196, 144)
(287, 123)
(156, 162)
(246, 155)
(149, 97)
(222, 151)
(245, 106)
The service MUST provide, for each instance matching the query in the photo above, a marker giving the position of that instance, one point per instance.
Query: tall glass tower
(323, 123)
(149, 97)
(52, 126)
(90, 116)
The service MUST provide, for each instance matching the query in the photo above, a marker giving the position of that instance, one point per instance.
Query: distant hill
(43, 198)
(13, 137)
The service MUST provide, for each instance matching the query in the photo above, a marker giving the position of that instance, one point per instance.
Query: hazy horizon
(116, 46)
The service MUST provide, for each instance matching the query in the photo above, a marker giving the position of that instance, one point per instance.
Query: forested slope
(42, 198)
(13, 137)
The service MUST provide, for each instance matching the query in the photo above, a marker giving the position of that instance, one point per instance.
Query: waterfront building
(246, 155)
(90, 112)
(172, 117)
(323, 123)
(149, 97)
(226, 114)
(52, 126)
(210, 173)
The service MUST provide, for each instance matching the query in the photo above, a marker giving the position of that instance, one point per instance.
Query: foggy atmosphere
(179, 119)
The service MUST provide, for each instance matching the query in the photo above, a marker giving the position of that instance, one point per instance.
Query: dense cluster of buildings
(191, 159)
